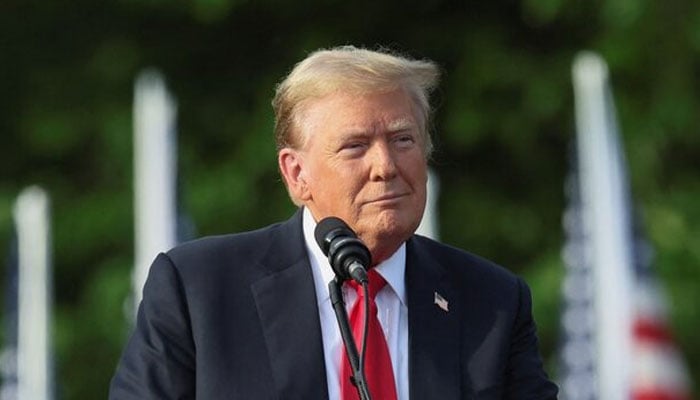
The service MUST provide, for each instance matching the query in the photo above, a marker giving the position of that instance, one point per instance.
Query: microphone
(348, 256)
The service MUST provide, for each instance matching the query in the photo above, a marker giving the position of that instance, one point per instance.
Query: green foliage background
(504, 123)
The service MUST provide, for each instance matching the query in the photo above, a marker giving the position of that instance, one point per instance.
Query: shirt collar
(392, 269)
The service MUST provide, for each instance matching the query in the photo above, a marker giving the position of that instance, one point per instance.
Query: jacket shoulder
(460, 262)
(240, 254)
(223, 245)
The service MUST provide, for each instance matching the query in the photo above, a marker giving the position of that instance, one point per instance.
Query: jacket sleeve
(525, 374)
(159, 359)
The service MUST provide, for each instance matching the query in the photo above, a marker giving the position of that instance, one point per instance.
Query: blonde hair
(348, 68)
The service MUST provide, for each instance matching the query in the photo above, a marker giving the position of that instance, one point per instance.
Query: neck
(382, 253)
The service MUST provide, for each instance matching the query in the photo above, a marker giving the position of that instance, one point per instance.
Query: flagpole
(429, 224)
(154, 174)
(34, 372)
(606, 224)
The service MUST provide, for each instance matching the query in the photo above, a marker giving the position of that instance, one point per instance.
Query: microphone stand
(358, 374)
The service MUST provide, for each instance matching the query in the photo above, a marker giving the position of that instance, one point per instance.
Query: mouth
(388, 198)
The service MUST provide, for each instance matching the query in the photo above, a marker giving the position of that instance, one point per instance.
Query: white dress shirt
(391, 305)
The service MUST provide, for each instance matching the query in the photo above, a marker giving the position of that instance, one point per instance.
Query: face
(363, 161)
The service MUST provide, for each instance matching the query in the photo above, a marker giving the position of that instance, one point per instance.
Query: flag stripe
(660, 395)
(646, 329)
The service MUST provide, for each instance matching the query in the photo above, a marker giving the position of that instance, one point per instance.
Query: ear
(291, 164)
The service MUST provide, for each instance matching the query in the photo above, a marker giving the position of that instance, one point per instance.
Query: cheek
(416, 172)
(346, 190)
(347, 178)
(335, 188)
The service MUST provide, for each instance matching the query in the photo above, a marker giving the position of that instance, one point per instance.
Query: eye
(404, 140)
(352, 148)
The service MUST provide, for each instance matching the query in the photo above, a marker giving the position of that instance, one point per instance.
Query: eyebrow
(397, 125)
(400, 124)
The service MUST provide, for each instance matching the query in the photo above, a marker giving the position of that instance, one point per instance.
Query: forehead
(349, 112)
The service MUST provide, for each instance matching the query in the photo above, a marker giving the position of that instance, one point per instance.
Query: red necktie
(378, 371)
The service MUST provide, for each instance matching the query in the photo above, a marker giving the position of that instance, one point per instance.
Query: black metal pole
(358, 375)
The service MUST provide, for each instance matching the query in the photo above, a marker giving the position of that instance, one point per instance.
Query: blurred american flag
(616, 342)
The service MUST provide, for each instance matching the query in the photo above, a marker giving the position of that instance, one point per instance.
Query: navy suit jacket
(236, 317)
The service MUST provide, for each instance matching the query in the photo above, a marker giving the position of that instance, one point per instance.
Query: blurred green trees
(504, 122)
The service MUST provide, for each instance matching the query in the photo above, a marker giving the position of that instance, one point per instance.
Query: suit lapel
(287, 305)
(434, 364)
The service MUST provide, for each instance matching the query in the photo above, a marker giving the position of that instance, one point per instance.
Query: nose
(383, 163)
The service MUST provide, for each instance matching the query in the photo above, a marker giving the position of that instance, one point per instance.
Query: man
(248, 316)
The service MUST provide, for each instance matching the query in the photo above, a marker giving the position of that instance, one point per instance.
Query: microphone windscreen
(328, 229)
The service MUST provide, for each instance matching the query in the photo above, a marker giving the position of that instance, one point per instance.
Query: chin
(388, 230)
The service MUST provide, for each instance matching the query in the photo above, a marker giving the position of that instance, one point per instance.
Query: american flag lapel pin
(441, 302)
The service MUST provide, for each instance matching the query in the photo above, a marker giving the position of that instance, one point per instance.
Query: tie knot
(376, 283)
